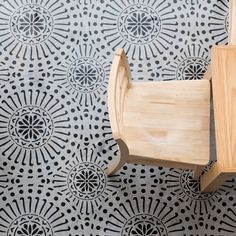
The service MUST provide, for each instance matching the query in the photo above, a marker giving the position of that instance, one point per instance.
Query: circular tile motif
(144, 29)
(86, 74)
(33, 29)
(30, 225)
(190, 63)
(86, 181)
(191, 187)
(144, 224)
(35, 125)
(28, 216)
(143, 216)
(192, 68)
(182, 185)
(83, 74)
(30, 127)
(31, 24)
(83, 182)
(139, 24)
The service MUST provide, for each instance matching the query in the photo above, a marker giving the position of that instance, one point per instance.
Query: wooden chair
(158, 123)
(167, 123)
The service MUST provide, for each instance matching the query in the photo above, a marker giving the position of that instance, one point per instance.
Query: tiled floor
(55, 137)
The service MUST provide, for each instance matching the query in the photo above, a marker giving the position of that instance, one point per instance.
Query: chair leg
(120, 161)
(197, 171)
(213, 179)
(115, 166)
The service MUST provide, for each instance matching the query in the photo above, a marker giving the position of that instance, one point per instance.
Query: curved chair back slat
(119, 81)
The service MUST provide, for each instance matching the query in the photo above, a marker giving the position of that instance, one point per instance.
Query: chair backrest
(232, 22)
(119, 81)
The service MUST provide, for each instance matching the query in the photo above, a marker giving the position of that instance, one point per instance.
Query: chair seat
(168, 121)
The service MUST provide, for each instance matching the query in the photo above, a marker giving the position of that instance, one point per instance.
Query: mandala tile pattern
(144, 224)
(30, 127)
(220, 21)
(34, 127)
(31, 24)
(192, 8)
(142, 28)
(90, 129)
(18, 180)
(84, 182)
(227, 224)
(189, 65)
(182, 185)
(17, 74)
(33, 29)
(55, 134)
(139, 25)
(193, 20)
(32, 217)
(144, 216)
(84, 74)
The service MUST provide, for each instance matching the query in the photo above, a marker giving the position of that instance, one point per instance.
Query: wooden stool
(158, 123)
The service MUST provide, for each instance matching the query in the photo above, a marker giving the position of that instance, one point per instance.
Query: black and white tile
(55, 135)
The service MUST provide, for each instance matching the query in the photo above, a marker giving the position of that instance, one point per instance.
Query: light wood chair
(158, 123)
